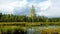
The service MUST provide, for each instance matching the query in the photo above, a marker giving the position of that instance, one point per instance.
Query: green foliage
(0, 15)
(24, 18)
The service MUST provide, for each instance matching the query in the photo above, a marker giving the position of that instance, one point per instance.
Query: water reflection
(32, 31)
(38, 30)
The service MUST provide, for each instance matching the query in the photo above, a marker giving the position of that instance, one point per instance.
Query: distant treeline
(24, 18)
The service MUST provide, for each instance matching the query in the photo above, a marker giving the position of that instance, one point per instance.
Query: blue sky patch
(36, 1)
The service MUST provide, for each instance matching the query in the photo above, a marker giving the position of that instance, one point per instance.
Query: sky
(49, 8)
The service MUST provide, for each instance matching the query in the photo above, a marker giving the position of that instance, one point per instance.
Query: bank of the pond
(25, 30)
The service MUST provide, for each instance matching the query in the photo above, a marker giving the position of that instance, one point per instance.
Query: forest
(24, 18)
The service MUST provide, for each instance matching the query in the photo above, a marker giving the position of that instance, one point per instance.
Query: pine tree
(32, 14)
(0, 14)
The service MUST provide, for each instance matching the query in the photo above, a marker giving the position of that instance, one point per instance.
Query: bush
(19, 31)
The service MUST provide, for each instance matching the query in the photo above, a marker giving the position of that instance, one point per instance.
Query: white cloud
(6, 8)
(9, 7)
(52, 10)
(45, 5)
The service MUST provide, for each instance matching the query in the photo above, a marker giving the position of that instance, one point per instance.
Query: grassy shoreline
(12, 26)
